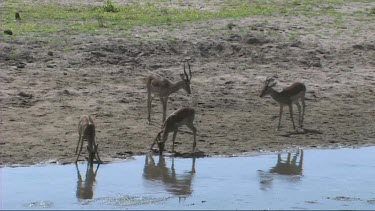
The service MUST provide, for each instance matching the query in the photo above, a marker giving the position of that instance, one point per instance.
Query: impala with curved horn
(288, 96)
(161, 86)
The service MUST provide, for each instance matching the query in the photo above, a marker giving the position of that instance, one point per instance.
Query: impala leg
(79, 139)
(288, 159)
(294, 160)
(96, 171)
(78, 174)
(163, 105)
(192, 128)
(153, 143)
(173, 139)
(172, 166)
(165, 100)
(80, 148)
(97, 153)
(291, 115)
(149, 100)
(193, 166)
(299, 114)
(280, 115)
(303, 109)
(90, 158)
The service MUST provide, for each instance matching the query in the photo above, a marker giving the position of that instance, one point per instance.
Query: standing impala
(161, 86)
(86, 131)
(288, 96)
(182, 116)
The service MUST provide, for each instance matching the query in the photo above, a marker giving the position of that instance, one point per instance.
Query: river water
(304, 179)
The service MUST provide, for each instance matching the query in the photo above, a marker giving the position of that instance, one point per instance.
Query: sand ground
(50, 84)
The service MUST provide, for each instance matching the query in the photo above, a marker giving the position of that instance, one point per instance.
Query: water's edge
(109, 160)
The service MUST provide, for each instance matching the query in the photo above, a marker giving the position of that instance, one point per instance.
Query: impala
(288, 96)
(85, 188)
(182, 116)
(175, 182)
(161, 86)
(86, 131)
(289, 167)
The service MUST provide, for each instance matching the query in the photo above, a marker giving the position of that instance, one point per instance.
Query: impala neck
(177, 86)
(164, 136)
(277, 96)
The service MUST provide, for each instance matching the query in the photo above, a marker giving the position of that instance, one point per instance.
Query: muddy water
(309, 179)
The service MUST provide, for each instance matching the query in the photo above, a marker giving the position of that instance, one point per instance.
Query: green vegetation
(51, 17)
(110, 7)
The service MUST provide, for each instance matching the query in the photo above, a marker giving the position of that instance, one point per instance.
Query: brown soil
(47, 85)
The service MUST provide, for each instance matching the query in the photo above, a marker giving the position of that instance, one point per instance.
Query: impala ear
(273, 84)
(182, 76)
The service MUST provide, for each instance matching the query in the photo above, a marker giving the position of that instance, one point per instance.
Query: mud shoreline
(49, 82)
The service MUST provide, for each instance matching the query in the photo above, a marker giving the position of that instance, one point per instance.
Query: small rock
(21, 65)
(123, 100)
(17, 16)
(234, 37)
(231, 25)
(156, 66)
(23, 94)
(358, 46)
(296, 44)
(253, 41)
(8, 32)
(65, 73)
(51, 65)
(98, 54)
(50, 53)
(316, 64)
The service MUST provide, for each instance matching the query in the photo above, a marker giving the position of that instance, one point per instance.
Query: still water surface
(308, 179)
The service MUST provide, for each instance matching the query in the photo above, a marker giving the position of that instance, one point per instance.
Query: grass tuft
(110, 7)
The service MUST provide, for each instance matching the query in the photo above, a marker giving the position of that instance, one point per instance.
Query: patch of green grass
(13, 54)
(54, 17)
(113, 18)
(311, 7)
(110, 7)
(372, 11)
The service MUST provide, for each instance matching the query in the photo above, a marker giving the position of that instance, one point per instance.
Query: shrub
(109, 7)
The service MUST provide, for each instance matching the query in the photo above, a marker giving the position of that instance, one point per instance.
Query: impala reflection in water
(85, 188)
(178, 184)
(291, 168)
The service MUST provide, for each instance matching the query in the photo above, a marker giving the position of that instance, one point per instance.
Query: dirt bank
(48, 83)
